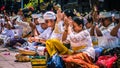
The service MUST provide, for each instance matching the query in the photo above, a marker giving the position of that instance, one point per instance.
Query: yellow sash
(95, 41)
(78, 48)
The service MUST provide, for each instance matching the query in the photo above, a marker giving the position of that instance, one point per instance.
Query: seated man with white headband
(39, 28)
(56, 28)
(105, 40)
(50, 20)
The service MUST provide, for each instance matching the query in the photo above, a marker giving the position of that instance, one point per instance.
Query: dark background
(81, 4)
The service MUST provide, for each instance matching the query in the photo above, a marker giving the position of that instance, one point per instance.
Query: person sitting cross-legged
(81, 53)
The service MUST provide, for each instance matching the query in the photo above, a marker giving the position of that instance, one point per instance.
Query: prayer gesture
(59, 15)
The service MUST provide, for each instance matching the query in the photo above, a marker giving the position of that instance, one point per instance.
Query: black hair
(109, 18)
(26, 15)
(49, 7)
(78, 21)
(69, 12)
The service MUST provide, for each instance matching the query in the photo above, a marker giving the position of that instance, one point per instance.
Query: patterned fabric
(81, 59)
(81, 42)
(81, 38)
(54, 46)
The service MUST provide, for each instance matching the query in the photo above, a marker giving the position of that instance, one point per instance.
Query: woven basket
(27, 52)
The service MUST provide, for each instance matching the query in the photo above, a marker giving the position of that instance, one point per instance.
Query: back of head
(78, 20)
(69, 13)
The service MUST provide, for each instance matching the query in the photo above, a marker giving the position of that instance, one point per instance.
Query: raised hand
(59, 15)
(32, 25)
(66, 22)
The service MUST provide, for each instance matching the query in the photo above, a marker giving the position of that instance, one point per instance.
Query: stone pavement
(7, 59)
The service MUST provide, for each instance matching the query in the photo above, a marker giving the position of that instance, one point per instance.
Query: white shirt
(109, 41)
(106, 30)
(58, 31)
(39, 28)
(8, 33)
(82, 39)
(46, 34)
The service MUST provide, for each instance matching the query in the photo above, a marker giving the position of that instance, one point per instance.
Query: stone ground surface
(7, 61)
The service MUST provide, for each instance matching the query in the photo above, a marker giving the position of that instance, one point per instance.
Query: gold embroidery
(78, 48)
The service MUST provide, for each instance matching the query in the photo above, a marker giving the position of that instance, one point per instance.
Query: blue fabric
(98, 51)
(13, 41)
(55, 62)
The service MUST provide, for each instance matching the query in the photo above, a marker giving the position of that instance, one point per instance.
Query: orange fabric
(81, 59)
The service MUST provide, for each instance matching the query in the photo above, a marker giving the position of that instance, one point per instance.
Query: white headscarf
(49, 15)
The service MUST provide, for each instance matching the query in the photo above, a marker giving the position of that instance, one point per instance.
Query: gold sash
(78, 48)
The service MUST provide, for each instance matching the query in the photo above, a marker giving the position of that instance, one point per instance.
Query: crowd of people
(72, 35)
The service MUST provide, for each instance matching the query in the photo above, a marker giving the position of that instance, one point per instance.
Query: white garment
(17, 32)
(106, 30)
(39, 28)
(58, 31)
(18, 26)
(19, 18)
(82, 39)
(46, 34)
(108, 41)
(2, 20)
(89, 30)
(25, 27)
(8, 33)
(5, 38)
